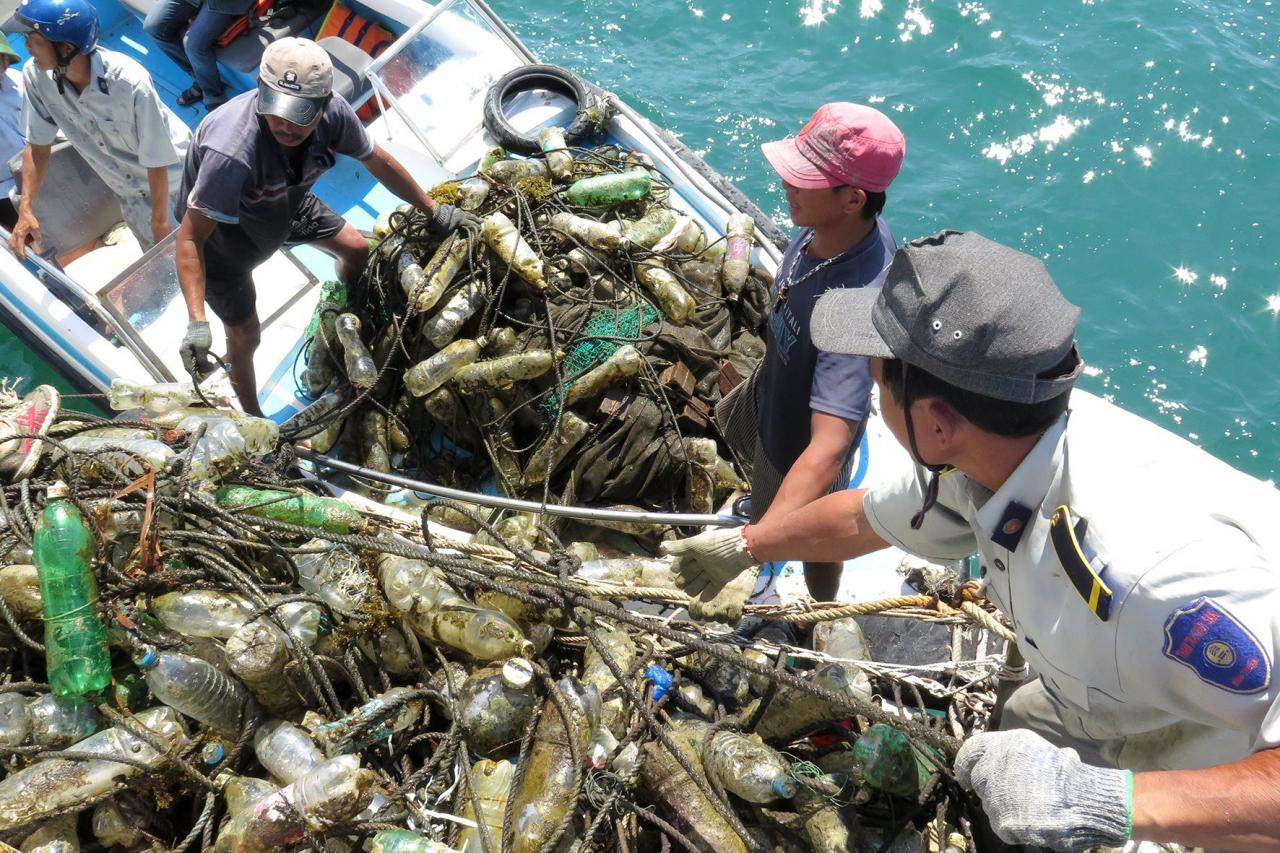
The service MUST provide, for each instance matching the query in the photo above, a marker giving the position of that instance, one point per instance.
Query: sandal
(193, 95)
(29, 418)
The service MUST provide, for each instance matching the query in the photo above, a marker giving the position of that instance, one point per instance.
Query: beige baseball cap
(295, 80)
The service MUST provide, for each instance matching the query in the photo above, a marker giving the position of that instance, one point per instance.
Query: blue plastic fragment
(661, 680)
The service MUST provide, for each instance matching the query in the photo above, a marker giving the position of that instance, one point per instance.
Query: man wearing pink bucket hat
(809, 406)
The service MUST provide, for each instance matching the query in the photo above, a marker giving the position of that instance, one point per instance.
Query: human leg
(199, 45)
(319, 225)
(165, 24)
(233, 298)
(242, 343)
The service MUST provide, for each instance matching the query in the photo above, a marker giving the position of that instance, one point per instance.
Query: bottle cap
(147, 658)
(517, 673)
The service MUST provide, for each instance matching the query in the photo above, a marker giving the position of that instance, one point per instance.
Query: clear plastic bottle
(432, 372)
(595, 671)
(331, 794)
(608, 190)
(335, 575)
(740, 231)
(219, 450)
(202, 612)
(472, 192)
(546, 457)
(794, 712)
(465, 301)
(57, 721)
(286, 750)
(196, 688)
(559, 159)
(602, 236)
(693, 813)
(361, 371)
(501, 235)
(20, 589)
(625, 363)
(113, 827)
(492, 781)
(841, 638)
(134, 457)
(333, 737)
(260, 435)
(503, 371)
(437, 613)
(243, 791)
(673, 299)
(55, 785)
(76, 654)
(15, 723)
(311, 419)
(544, 796)
(510, 171)
(748, 768)
(648, 230)
(158, 397)
(443, 268)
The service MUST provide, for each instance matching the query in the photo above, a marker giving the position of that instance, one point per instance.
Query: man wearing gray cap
(246, 192)
(1149, 610)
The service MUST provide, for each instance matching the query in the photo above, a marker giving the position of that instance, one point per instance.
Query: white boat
(116, 312)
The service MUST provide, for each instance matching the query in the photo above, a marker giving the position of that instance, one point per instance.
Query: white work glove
(1040, 795)
(716, 570)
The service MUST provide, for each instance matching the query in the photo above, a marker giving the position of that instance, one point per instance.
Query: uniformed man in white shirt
(1139, 572)
(105, 105)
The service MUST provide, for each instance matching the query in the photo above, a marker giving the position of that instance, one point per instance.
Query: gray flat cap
(976, 314)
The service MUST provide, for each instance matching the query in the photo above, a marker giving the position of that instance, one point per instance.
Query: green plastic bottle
(75, 641)
(607, 190)
(890, 762)
(327, 514)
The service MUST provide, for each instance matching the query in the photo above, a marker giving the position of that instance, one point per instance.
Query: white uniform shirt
(118, 124)
(1178, 674)
(11, 135)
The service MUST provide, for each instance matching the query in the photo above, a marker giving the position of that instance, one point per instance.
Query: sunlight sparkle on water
(1273, 303)
(1185, 275)
(815, 12)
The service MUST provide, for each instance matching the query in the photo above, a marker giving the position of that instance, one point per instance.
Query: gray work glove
(709, 564)
(1041, 795)
(445, 219)
(195, 347)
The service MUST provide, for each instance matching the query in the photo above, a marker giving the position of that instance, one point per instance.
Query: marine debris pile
(200, 650)
(571, 348)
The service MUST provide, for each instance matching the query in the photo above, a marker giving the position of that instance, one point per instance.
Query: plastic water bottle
(492, 785)
(55, 785)
(57, 721)
(202, 612)
(76, 652)
(559, 160)
(134, 457)
(494, 705)
(15, 725)
(220, 449)
(361, 371)
(446, 322)
(740, 231)
(429, 374)
(333, 737)
(331, 794)
(609, 190)
(501, 235)
(300, 508)
(258, 653)
(260, 436)
(158, 397)
(334, 575)
(196, 688)
(404, 841)
(750, 769)
(285, 750)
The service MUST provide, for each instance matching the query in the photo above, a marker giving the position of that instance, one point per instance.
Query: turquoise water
(1132, 146)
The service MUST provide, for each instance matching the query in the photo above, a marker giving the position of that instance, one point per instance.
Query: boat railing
(87, 303)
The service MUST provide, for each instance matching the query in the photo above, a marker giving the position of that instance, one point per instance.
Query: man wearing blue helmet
(104, 103)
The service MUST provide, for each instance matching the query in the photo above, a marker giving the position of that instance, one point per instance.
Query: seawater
(1133, 146)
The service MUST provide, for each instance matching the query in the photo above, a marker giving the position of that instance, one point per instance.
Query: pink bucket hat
(842, 145)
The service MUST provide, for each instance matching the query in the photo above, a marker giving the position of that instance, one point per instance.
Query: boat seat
(75, 205)
(245, 53)
(349, 64)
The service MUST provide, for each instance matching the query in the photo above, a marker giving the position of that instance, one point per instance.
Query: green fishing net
(602, 335)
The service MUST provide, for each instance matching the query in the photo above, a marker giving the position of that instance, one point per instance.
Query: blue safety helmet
(74, 22)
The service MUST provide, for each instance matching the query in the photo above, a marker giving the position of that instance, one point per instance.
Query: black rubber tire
(550, 77)
(739, 199)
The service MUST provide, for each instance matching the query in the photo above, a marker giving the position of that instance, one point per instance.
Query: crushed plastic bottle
(890, 761)
(332, 793)
(258, 652)
(432, 372)
(75, 641)
(619, 645)
(457, 310)
(625, 363)
(306, 510)
(196, 688)
(740, 232)
(20, 589)
(559, 160)
(403, 841)
(394, 711)
(133, 457)
(794, 712)
(441, 271)
(54, 785)
(333, 574)
(158, 397)
(602, 236)
(693, 813)
(673, 299)
(202, 612)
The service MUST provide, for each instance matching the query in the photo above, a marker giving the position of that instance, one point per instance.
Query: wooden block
(693, 415)
(729, 377)
(615, 403)
(677, 377)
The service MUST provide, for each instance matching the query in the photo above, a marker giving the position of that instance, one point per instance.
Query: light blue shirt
(11, 136)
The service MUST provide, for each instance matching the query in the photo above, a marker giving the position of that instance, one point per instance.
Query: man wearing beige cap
(809, 405)
(246, 192)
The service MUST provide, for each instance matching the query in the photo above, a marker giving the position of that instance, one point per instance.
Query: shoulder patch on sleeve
(1221, 650)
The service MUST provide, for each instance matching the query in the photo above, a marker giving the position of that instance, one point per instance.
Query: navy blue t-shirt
(797, 379)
